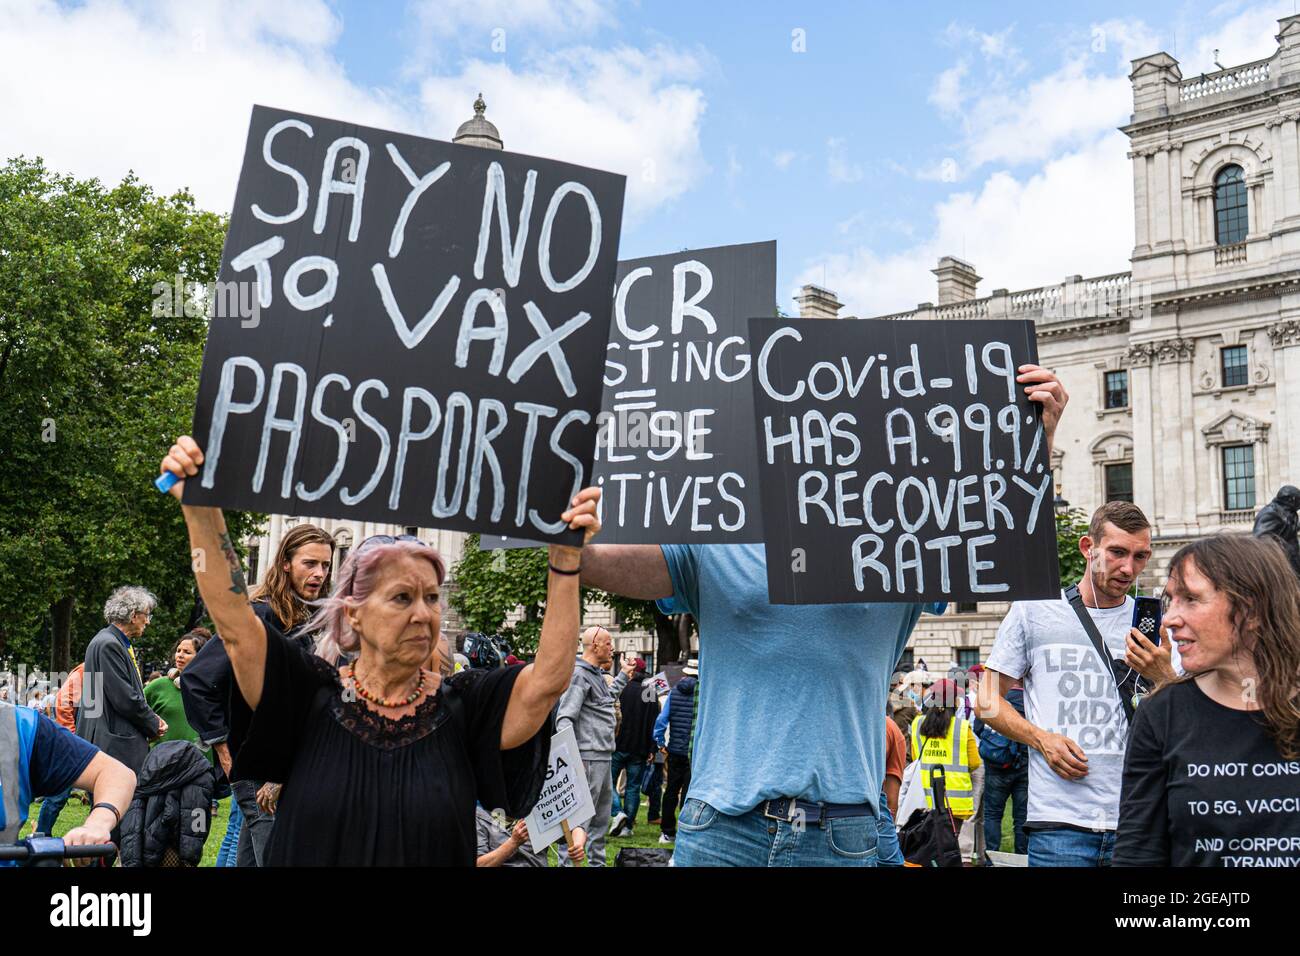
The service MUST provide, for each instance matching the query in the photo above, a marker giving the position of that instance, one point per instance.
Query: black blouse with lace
(363, 790)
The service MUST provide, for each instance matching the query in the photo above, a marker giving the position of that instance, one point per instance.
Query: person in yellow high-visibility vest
(940, 738)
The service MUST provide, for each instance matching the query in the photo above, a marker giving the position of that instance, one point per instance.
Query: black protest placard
(675, 449)
(421, 345)
(901, 461)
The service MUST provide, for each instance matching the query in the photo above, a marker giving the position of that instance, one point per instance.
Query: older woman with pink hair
(383, 758)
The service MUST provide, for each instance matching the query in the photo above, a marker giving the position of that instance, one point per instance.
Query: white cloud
(734, 168)
(166, 89)
(1058, 111)
(782, 160)
(838, 165)
(1248, 36)
(993, 46)
(947, 93)
(1005, 120)
(625, 110)
(1088, 94)
(1124, 40)
(444, 28)
(864, 221)
(547, 17)
(1074, 216)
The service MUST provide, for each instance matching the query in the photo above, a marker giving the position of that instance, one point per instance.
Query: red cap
(640, 663)
(942, 693)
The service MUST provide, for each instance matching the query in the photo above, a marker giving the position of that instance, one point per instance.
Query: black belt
(789, 809)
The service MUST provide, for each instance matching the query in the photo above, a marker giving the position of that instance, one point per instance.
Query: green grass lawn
(644, 835)
(1008, 832)
(75, 812)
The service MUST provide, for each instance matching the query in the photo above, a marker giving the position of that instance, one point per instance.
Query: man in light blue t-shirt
(788, 756)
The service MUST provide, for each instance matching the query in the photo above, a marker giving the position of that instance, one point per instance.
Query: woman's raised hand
(183, 460)
(582, 513)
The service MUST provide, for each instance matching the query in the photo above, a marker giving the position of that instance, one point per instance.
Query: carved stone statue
(1278, 519)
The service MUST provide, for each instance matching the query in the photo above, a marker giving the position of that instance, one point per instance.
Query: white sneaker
(616, 824)
(665, 838)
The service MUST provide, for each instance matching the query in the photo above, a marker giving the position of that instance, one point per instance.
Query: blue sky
(895, 135)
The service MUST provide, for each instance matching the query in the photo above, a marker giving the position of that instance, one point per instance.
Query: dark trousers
(51, 807)
(653, 788)
(999, 785)
(679, 781)
(256, 828)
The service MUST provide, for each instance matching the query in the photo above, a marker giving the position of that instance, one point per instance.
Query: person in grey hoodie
(588, 707)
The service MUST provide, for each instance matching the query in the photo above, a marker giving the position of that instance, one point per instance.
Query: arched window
(1231, 220)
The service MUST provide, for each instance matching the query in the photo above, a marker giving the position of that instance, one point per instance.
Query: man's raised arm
(632, 570)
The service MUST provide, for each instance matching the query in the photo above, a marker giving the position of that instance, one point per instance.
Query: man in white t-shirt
(1074, 720)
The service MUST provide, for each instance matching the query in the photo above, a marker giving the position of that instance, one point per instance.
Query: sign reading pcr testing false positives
(423, 349)
(565, 796)
(901, 461)
(675, 453)
(675, 450)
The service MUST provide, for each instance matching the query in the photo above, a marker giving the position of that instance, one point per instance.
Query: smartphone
(1146, 618)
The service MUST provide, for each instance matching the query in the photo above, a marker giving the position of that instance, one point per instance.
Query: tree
(672, 632)
(93, 388)
(1070, 527)
(493, 585)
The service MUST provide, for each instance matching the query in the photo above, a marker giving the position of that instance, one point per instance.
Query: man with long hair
(298, 577)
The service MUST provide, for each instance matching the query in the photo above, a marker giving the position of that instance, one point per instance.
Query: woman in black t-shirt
(1212, 773)
(382, 759)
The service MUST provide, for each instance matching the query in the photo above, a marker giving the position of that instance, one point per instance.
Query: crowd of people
(347, 731)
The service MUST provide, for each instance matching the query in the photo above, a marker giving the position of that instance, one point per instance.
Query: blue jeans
(999, 786)
(631, 801)
(230, 843)
(255, 826)
(1066, 847)
(51, 807)
(888, 852)
(653, 787)
(708, 837)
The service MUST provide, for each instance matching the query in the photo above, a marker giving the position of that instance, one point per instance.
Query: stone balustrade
(1230, 255)
(1210, 84)
(1076, 298)
(971, 309)
(1246, 517)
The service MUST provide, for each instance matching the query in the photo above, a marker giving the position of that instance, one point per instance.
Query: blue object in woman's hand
(165, 481)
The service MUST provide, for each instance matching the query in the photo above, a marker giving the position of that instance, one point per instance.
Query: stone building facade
(1184, 373)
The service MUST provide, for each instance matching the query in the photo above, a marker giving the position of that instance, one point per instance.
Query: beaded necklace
(381, 701)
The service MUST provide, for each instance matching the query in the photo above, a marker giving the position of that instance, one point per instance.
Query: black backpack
(642, 856)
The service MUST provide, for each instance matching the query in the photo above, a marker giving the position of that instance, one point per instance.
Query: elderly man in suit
(113, 714)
